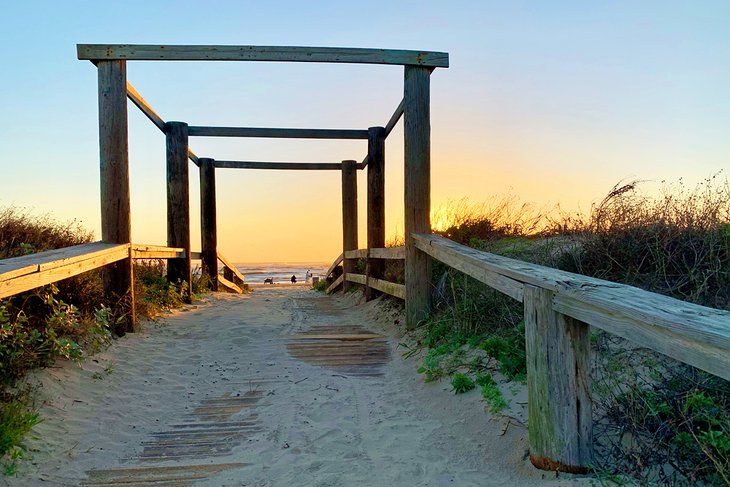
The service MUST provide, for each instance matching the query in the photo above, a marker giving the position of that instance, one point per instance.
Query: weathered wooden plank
(195, 255)
(141, 251)
(56, 265)
(470, 262)
(337, 336)
(691, 334)
(397, 114)
(336, 262)
(417, 179)
(154, 474)
(236, 273)
(145, 107)
(193, 157)
(349, 217)
(277, 133)
(337, 282)
(392, 288)
(178, 204)
(26, 264)
(392, 253)
(356, 254)
(558, 384)
(208, 221)
(291, 166)
(222, 281)
(116, 225)
(357, 278)
(142, 52)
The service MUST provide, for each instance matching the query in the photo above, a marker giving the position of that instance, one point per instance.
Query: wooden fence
(559, 309)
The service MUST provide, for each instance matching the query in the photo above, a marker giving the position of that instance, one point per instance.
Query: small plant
(491, 393)
(320, 285)
(17, 418)
(461, 383)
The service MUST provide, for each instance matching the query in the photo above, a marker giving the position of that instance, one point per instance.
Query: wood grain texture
(287, 166)
(558, 383)
(21, 274)
(147, 52)
(397, 114)
(116, 226)
(142, 251)
(375, 205)
(394, 253)
(391, 288)
(349, 216)
(208, 221)
(145, 107)
(469, 261)
(277, 133)
(178, 204)
(417, 179)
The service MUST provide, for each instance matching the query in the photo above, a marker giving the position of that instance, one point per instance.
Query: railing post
(558, 384)
(208, 223)
(118, 278)
(417, 175)
(349, 218)
(376, 204)
(178, 204)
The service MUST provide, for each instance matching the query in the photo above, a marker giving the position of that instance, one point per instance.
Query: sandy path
(217, 387)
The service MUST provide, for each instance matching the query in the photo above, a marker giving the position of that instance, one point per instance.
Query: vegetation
(657, 421)
(70, 319)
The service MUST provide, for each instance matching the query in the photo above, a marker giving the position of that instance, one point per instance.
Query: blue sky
(553, 102)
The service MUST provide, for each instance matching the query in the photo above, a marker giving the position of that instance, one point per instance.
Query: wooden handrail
(227, 264)
(337, 282)
(392, 288)
(276, 133)
(336, 262)
(397, 114)
(693, 334)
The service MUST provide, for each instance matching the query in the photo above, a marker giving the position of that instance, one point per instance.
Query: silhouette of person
(293, 279)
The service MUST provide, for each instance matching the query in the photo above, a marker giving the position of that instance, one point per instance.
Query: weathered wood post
(118, 278)
(417, 138)
(558, 384)
(349, 218)
(208, 223)
(178, 204)
(376, 204)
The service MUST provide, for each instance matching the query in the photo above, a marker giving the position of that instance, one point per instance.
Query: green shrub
(461, 383)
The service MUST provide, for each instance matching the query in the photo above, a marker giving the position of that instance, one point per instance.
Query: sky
(546, 102)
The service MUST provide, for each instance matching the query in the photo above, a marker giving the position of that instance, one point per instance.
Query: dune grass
(656, 421)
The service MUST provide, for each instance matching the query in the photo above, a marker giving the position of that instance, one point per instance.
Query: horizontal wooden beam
(387, 287)
(296, 166)
(28, 272)
(397, 114)
(147, 52)
(384, 253)
(140, 251)
(276, 133)
(693, 334)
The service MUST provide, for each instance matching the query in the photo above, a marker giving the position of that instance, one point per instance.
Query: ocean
(280, 271)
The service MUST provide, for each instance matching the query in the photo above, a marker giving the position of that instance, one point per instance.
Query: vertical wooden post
(118, 278)
(376, 204)
(349, 217)
(178, 204)
(558, 384)
(417, 138)
(208, 222)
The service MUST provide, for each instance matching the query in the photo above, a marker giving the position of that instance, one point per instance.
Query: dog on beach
(269, 280)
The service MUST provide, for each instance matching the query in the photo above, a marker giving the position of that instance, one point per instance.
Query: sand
(229, 366)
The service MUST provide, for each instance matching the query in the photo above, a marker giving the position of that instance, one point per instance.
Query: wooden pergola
(111, 59)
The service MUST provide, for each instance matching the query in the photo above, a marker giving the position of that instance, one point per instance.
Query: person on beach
(293, 279)
(307, 276)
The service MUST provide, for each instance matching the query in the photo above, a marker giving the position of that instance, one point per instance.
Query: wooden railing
(391, 288)
(19, 274)
(560, 307)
